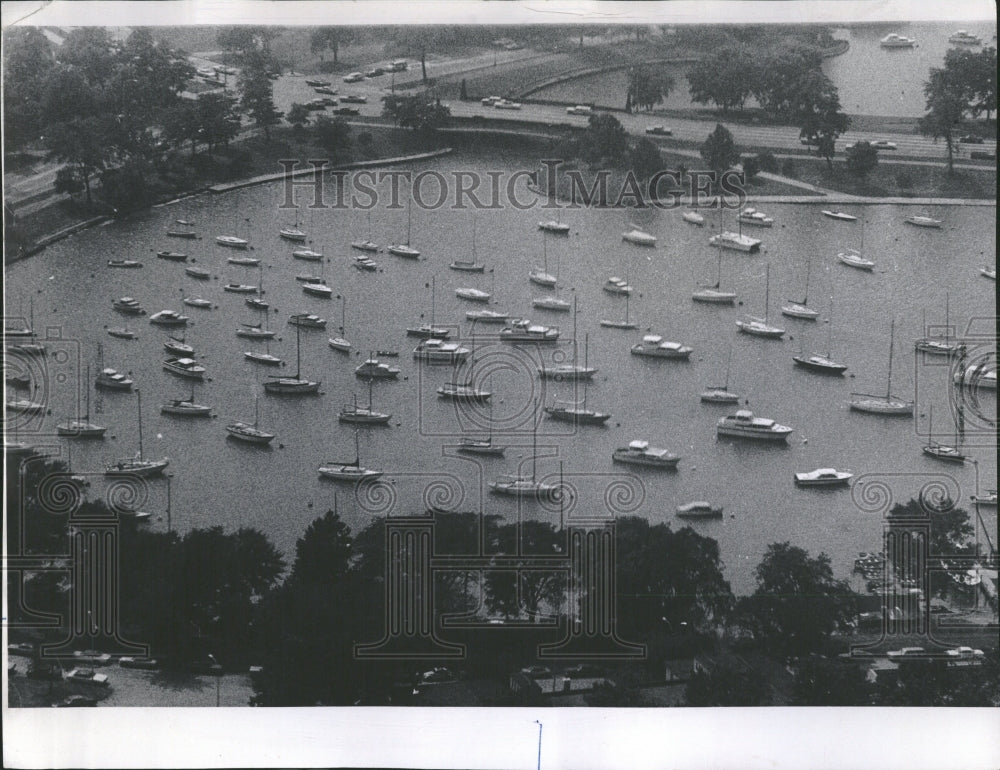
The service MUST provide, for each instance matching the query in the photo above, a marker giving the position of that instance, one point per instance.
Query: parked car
(354, 77)
(316, 104)
(347, 111)
(87, 676)
(354, 99)
(315, 83)
(146, 664)
(325, 90)
(580, 109)
(489, 101)
(375, 72)
(882, 144)
(436, 676)
(330, 101)
(537, 672)
(906, 652)
(966, 653)
(659, 131)
(75, 701)
(971, 139)
(506, 104)
(809, 141)
(21, 648)
(91, 657)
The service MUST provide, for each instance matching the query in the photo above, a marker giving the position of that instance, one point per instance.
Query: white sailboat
(297, 385)
(353, 471)
(855, 257)
(572, 370)
(715, 294)
(938, 346)
(482, 446)
(82, 427)
(888, 404)
(801, 309)
(186, 407)
(340, 343)
(425, 330)
(822, 364)
(404, 249)
(367, 245)
(250, 434)
(138, 465)
(364, 415)
(939, 451)
(541, 276)
(720, 394)
(525, 486)
(759, 327)
(626, 324)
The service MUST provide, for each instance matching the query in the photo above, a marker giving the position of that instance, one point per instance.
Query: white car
(87, 676)
(659, 131)
(580, 109)
(489, 101)
(354, 77)
(882, 144)
(504, 104)
(966, 653)
(906, 652)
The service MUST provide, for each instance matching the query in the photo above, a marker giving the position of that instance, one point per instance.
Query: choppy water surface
(217, 481)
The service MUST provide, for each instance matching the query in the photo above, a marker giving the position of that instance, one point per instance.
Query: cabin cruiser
(655, 346)
(168, 318)
(292, 234)
(185, 367)
(109, 379)
(735, 241)
(892, 40)
(522, 330)
(307, 254)
(486, 316)
(231, 241)
(823, 477)
(185, 407)
(639, 238)
(641, 453)
(616, 285)
(375, 369)
(474, 295)
(128, 306)
(743, 424)
(551, 303)
(307, 321)
(437, 351)
(699, 509)
(751, 216)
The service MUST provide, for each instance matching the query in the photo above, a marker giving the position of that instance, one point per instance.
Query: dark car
(75, 701)
(21, 648)
(316, 104)
(375, 72)
(971, 139)
(325, 90)
(146, 664)
(354, 99)
(347, 111)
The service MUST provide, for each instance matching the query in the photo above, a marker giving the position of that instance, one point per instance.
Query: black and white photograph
(494, 384)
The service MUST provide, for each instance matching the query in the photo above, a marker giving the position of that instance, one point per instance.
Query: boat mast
(892, 330)
(408, 219)
(767, 288)
(729, 360)
(534, 442)
(86, 415)
(138, 400)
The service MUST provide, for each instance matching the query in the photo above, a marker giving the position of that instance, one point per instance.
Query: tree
(28, 60)
(68, 181)
(984, 89)
(724, 77)
(247, 40)
(815, 105)
(730, 682)
(604, 141)
(751, 166)
(719, 151)
(257, 94)
(298, 117)
(823, 681)
(323, 552)
(862, 159)
(647, 88)
(80, 143)
(329, 38)
(935, 683)
(949, 534)
(415, 112)
(216, 119)
(946, 106)
(181, 123)
(797, 604)
(779, 73)
(334, 136)
(514, 594)
(645, 159)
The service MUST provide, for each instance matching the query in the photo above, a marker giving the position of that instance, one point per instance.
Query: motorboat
(699, 509)
(292, 234)
(428, 331)
(231, 241)
(616, 285)
(255, 332)
(823, 477)
(522, 330)
(551, 303)
(240, 288)
(307, 254)
(307, 321)
(178, 347)
(853, 258)
(317, 290)
(262, 358)
(457, 391)
(168, 318)
(486, 316)
(256, 303)
(24, 406)
(243, 261)
(128, 306)
(576, 414)
(639, 452)
(368, 246)
(735, 242)
(185, 367)
(110, 379)
(963, 37)
(923, 221)
(197, 302)
(198, 273)
(473, 295)
(437, 351)
(555, 227)
(749, 216)
(173, 256)
(373, 368)
(403, 250)
(743, 424)
(364, 263)
(467, 266)
(892, 40)
(839, 215)
(990, 498)
(654, 346)
(693, 217)
(190, 234)
(639, 238)
(126, 263)
(185, 407)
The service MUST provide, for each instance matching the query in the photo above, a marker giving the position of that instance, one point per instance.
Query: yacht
(307, 321)
(749, 216)
(349, 471)
(522, 330)
(256, 303)
(639, 238)
(486, 316)
(888, 404)
(138, 465)
(839, 215)
(185, 407)
(122, 333)
(892, 40)
(373, 368)
(403, 250)
(307, 255)
(759, 327)
(128, 306)
(197, 302)
(243, 261)
(317, 290)
(743, 424)
(655, 346)
(923, 221)
(365, 415)
(368, 246)
(853, 258)
(616, 285)
(255, 332)
(459, 391)
(576, 414)
(467, 266)
(185, 367)
(693, 217)
(240, 288)
(736, 242)
(963, 37)
(699, 509)
(126, 263)
(250, 434)
(819, 364)
(109, 379)
(554, 226)
(173, 256)
(262, 358)
(639, 452)
(364, 263)
(437, 351)
(292, 234)
(474, 295)
(168, 318)
(231, 241)
(823, 477)
(551, 303)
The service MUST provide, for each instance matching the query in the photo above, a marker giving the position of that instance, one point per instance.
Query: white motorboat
(369, 246)
(373, 368)
(699, 509)
(888, 404)
(693, 217)
(839, 215)
(923, 221)
(892, 40)
(736, 242)
(639, 238)
(437, 351)
(185, 367)
(231, 241)
(124, 305)
(307, 255)
(743, 424)
(126, 263)
(990, 498)
(138, 465)
(109, 379)
(639, 452)
(522, 330)
(197, 302)
(168, 318)
(554, 226)
(749, 216)
(654, 346)
(551, 303)
(364, 263)
(255, 332)
(243, 261)
(823, 477)
(616, 285)
(964, 37)
(473, 295)
(486, 316)
(307, 321)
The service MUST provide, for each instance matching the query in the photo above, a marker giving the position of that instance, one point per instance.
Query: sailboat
(759, 327)
(293, 233)
(576, 412)
(854, 258)
(465, 391)
(82, 427)
(555, 226)
(231, 241)
(264, 358)
(296, 385)
(626, 324)
(822, 364)
(405, 250)
(349, 471)
(186, 407)
(256, 302)
(428, 331)
(715, 294)
(951, 454)
(368, 244)
(137, 466)
(482, 446)
(469, 265)
(258, 331)
(251, 434)
(339, 343)
(32, 347)
(521, 486)
(541, 276)
(801, 309)
(366, 415)
(570, 371)
(318, 288)
(715, 394)
(935, 345)
(888, 404)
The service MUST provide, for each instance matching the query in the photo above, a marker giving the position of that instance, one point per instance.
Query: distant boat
(197, 302)
(138, 465)
(524, 486)
(551, 303)
(365, 415)
(110, 379)
(714, 294)
(720, 394)
(937, 345)
(231, 241)
(853, 258)
(437, 351)
(639, 452)
(823, 477)
(429, 330)
(821, 364)
(616, 285)
(243, 261)
(349, 471)
(639, 238)
(458, 391)
(82, 427)
(570, 371)
(404, 249)
(473, 295)
(699, 509)
(888, 404)
(198, 273)
(307, 321)
(983, 376)
(317, 290)
(839, 215)
(939, 451)
(307, 254)
(963, 37)
(743, 424)
(173, 256)
(124, 263)
(625, 324)
(554, 226)
(168, 318)
(292, 234)
(24, 406)
(373, 368)
(522, 330)
(340, 343)
(486, 316)
(240, 288)
(367, 244)
(540, 276)
(693, 217)
(185, 367)
(296, 385)
(251, 434)
(750, 216)
(364, 263)
(990, 498)
(128, 306)
(795, 309)
(892, 40)
(182, 234)
(178, 346)
(122, 333)
(467, 266)
(255, 331)
(759, 327)
(988, 272)
(186, 407)
(735, 241)
(923, 221)
(262, 358)
(654, 346)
